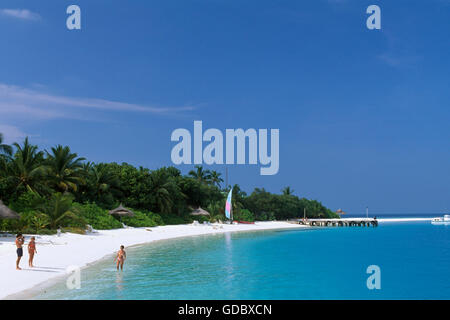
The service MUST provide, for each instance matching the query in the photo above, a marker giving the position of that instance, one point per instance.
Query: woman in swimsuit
(121, 256)
(31, 251)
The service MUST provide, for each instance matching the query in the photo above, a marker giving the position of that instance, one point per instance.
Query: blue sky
(363, 114)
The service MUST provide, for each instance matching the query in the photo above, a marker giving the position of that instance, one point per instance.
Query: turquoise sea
(323, 263)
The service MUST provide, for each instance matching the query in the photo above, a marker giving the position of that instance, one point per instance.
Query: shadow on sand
(44, 269)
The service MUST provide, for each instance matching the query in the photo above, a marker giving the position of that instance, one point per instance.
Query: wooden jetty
(343, 222)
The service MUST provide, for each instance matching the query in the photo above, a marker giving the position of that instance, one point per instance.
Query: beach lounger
(126, 227)
(89, 229)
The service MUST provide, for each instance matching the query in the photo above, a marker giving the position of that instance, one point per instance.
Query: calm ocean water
(325, 263)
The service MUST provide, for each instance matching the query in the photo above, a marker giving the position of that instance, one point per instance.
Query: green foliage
(101, 185)
(29, 230)
(77, 230)
(200, 219)
(163, 187)
(35, 221)
(201, 175)
(39, 221)
(217, 210)
(47, 232)
(157, 219)
(287, 191)
(25, 169)
(267, 216)
(170, 219)
(10, 225)
(27, 201)
(142, 219)
(132, 187)
(63, 169)
(244, 215)
(97, 217)
(4, 148)
(215, 178)
(266, 205)
(59, 208)
(198, 194)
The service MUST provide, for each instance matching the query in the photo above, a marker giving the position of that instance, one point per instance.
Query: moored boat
(246, 222)
(441, 220)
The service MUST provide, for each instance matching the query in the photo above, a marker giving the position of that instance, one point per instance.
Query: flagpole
(226, 177)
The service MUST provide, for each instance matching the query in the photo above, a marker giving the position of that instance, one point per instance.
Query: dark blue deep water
(325, 263)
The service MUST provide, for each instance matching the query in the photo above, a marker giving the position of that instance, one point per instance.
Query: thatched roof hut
(7, 213)
(340, 211)
(121, 211)
(200, 212)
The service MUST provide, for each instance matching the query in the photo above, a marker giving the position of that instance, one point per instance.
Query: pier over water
(343, 222)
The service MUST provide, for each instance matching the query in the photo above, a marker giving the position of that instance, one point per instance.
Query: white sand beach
(56, 254)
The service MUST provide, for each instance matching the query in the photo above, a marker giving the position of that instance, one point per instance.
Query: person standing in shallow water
(31, 251)
(20, 240)
(120, 258)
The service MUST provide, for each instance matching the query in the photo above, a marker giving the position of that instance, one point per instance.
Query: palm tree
(4, 148)
(215, 178)
(238, 198)
(201, 175)
(26, 167)
(288, 191)
(164, 190)
(100, 184)
(58, 208)
(217, 210)
(103, 181)
(5, 156)
(64, 168)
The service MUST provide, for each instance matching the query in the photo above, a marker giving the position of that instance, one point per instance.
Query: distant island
(57, 188)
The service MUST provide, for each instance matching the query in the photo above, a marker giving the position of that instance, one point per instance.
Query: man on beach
(120, 258)
(20, 240)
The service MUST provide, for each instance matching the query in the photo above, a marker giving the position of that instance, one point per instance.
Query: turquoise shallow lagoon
(325, 263)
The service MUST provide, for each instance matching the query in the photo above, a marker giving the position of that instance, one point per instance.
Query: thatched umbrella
(7, 213)
(340, 211)
(121, 211)
(200, 212)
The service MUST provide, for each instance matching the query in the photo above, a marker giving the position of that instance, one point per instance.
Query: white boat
(441, 220)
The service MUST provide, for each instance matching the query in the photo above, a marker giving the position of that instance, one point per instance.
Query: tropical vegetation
(57, 188)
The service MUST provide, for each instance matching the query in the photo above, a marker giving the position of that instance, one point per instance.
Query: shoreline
(56, 254)
(404, 219)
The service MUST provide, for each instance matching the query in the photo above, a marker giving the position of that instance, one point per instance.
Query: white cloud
(11, 133)
(398, 60)
(17, 101)
(23, 105)
(23, 14)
